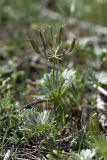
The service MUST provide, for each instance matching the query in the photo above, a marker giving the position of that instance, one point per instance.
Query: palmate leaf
(62, 81)
(69, 76)
(33, 119)
(43, 117)
(101, 77)
(98, 77)
(87, 154)
(35, 47)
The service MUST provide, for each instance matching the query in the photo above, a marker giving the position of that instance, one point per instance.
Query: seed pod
(61, 35)
(35, 47)
(73, 44)
(43, 40)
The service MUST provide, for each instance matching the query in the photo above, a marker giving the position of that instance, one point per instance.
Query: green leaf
(35, 47)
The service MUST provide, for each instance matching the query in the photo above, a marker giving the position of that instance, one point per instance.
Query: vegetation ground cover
(53, 80)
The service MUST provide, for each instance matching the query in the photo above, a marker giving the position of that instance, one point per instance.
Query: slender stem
(59, 112)
(53, 71)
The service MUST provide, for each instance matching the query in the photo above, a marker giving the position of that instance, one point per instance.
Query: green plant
(8, 120)
(98, 141)
(87, 154)
(57, 82)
